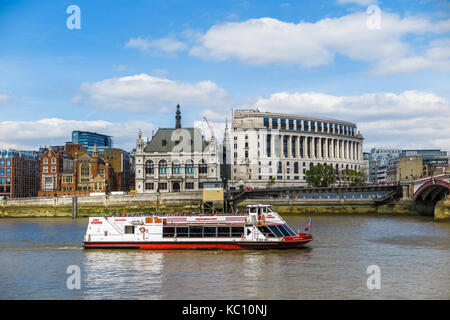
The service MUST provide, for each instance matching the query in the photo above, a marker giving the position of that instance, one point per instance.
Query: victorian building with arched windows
(175, 159)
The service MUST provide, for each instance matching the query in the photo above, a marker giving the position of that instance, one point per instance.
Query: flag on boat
(308, 226)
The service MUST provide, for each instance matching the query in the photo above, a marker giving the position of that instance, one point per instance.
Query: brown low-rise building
(72, 171)
(19, 174)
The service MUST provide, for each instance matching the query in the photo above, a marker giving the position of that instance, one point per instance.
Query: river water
(412, 253)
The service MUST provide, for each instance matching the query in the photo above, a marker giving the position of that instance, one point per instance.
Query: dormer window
(164, 143)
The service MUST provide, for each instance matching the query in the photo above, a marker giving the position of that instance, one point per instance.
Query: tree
(321, 175)
(354, 178)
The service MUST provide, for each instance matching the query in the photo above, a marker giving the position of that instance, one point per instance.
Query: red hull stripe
(197, 245)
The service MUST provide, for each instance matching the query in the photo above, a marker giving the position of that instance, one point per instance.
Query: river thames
(413, 254)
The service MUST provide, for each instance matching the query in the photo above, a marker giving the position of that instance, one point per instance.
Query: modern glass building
(89, 139)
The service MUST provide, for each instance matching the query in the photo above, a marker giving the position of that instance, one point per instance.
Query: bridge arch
(426, 197)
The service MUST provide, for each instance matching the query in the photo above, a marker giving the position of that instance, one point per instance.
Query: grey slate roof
(162, 140)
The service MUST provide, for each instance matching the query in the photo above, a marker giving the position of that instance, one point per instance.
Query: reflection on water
(412, 253)
(136, 274)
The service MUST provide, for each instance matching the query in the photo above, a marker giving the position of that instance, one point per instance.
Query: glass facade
(89, 139)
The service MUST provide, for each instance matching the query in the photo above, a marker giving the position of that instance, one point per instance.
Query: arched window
(149, 167)
(84, 173)
(162, 167)
(176, 167)
(189, 167)
(202, 167)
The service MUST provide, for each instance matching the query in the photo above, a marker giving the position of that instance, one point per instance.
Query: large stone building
(19, 174)
(276, 149)
(175, 159)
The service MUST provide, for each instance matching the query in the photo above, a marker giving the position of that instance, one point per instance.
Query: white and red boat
(259, 228)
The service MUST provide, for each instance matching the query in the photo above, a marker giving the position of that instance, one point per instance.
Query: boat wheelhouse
(259, 228)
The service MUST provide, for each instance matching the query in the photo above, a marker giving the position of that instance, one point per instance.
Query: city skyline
(130, 64)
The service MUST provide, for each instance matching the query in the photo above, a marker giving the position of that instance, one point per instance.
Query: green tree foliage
(321, 175)
(354, 178)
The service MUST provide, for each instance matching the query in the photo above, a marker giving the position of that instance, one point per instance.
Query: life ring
(142, 229)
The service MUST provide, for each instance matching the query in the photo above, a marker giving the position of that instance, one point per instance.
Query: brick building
(19, 174)
(72, 171)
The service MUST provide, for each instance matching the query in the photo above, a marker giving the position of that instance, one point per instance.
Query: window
(149, 167)
(279, 167)
(8, 163)
(237, 231)
(274, 123)
(45, 170)
(283, 124)
(295, 167)
(2, 172)
(129, 229)
(266, 231)
(291, 124)
(162, 186)
(210, 231)
(53, 160)
(53, 169)
(164, 143)
(149, 186)
(168, 232)
(45, 161)
(275, 230)
(162, 167)
(223, 231)
(84, 173)
(181, 231)
(176, 167)
(202, 167)
(8, 172)
(101, 171)
(266, 122)
(189, 169)
(195, 232)
(189, 186)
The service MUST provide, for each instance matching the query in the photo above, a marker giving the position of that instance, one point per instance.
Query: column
(305, 146)
(313, 153)
(327, 153)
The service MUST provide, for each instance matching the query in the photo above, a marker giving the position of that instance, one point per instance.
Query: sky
(383, 65)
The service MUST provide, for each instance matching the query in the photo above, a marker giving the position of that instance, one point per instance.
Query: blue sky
(133, 61)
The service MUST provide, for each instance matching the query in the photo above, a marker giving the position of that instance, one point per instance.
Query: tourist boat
(259, 228)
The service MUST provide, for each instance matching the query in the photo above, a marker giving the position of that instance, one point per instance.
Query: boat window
(223, 231)
(129, 229)
(266, 231)
(195, 232)
(209, 231)
(168, 231)
(284, 230)
(182, 231)
(291, 232)
(275, 230)
(237, 231)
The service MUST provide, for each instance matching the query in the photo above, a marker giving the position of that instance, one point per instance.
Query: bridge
(427, 192)
(374, 193)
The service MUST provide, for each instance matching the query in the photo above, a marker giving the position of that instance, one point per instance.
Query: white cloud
(411, 119)
(166, 45)
(29, 135)
(268, 40)
(145, 93)
(437, 56)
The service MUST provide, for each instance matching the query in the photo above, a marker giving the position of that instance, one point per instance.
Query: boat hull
(180, 245)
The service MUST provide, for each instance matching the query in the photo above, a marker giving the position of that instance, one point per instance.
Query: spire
(178, 118)
(95, 151)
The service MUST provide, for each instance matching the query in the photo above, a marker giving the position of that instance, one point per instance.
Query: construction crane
(210, 128)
